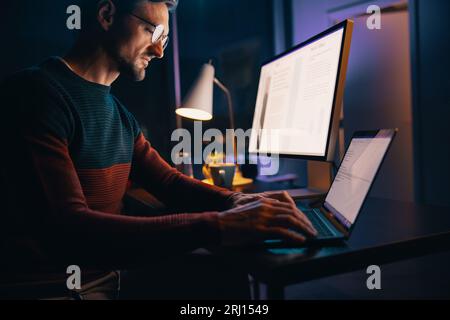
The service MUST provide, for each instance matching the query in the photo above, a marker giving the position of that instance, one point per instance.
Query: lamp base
(238, 180)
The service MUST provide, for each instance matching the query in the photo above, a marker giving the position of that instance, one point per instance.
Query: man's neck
(93, 65)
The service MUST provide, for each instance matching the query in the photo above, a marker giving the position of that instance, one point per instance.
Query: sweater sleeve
(73, 230)
(176, 190)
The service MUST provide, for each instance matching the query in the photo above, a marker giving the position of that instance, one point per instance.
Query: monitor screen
(295, 99)
(356, 175)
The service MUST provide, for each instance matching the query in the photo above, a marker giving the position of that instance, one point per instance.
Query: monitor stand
(320, 175)
(296, 194)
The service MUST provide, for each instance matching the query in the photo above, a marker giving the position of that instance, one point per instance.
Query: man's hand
(273, 215)
(239, 199)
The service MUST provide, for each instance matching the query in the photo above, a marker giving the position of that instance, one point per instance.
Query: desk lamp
(198, 105)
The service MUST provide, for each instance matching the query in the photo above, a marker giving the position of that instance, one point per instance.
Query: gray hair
(131, 4)
(171, 4)
(128, 5)
(89, 7)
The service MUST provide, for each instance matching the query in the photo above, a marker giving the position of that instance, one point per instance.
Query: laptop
(335, 218)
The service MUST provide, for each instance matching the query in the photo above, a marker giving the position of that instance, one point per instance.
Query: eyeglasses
(157, 30)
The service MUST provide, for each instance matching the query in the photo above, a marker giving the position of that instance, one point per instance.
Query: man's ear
(106, 11)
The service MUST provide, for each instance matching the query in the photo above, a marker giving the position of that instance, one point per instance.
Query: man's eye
(147, 30)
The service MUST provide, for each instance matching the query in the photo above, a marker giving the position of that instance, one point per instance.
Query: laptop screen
(356, 175)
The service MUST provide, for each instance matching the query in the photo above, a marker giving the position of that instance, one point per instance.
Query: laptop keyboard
(322, 229)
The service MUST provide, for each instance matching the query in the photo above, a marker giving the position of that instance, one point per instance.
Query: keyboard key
(320, 226)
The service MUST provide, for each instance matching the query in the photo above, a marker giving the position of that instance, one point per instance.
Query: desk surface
(387, 231)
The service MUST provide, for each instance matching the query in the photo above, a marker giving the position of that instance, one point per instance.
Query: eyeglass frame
(161, 38)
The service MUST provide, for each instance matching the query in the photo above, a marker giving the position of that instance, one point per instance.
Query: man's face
(131, 38)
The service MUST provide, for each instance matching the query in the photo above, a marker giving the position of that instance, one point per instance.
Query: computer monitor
(299, 101)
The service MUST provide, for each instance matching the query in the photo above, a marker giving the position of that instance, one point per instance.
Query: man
(72, 147)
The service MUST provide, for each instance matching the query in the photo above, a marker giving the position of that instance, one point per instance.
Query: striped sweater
(70, 149)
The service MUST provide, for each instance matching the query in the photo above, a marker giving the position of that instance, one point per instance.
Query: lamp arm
(231, 114)
(239, 180)
(230, 102)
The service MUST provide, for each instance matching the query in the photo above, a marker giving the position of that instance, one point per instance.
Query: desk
(387, 231)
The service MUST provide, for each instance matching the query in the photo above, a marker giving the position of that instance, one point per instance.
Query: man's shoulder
(31, 94)
(23, 78)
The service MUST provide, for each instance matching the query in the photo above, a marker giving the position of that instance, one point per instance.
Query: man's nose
(157, 50)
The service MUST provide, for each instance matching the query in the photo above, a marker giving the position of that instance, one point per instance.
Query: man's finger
(282, 196)
(291, 222)
(303, 217)
(296, 212)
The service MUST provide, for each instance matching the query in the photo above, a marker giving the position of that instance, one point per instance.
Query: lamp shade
(198, 104)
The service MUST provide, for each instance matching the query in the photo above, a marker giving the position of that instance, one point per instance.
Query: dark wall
(430, 83)
(33, 30)
(238, 38)
(432, 99)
